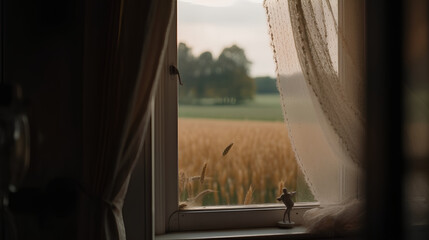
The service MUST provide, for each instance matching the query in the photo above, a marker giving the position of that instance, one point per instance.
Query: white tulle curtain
(322, 105)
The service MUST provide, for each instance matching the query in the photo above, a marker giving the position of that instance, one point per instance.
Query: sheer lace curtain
(321, 86)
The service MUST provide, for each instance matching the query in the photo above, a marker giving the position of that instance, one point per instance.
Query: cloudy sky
(211, 25)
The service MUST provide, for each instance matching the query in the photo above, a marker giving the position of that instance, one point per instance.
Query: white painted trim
(235, 217)
(165, 137)
(258, 233)
(351, 20)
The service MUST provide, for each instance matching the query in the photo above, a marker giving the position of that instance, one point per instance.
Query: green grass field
(266, 107)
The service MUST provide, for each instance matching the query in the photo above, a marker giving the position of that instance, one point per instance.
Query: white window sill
(255, 233)
(235, 217)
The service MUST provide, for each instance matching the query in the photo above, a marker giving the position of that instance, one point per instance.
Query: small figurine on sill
(286, 198)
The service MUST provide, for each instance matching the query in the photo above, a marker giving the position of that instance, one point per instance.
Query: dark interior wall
(43, 53)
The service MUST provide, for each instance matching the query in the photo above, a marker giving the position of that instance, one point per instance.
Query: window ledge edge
(252, 233)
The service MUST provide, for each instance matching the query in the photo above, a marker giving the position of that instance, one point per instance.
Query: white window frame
(167, 215)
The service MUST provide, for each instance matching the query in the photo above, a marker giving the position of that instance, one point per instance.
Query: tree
(225, 78)
(204, 73)
(266, 85)
(186, 64)
(231, 75)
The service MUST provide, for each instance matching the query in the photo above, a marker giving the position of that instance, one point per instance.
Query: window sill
(234, 217)
(298, 232)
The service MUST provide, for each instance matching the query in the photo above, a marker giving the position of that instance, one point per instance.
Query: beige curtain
(125, 42)
(322, 98)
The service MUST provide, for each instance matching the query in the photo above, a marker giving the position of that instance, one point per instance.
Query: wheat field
(253, 170)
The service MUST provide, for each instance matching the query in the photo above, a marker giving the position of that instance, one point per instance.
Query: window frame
(167, 215)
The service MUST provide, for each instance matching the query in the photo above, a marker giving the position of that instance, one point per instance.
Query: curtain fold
(125, 42)
(322, 106)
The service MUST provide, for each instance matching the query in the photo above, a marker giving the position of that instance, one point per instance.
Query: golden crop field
(259, 163)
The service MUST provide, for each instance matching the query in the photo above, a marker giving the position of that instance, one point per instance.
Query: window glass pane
(233, 143)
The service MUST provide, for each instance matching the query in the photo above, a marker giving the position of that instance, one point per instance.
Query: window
(168, 216)
(230, 96)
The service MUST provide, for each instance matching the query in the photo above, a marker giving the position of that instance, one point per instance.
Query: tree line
(224, 80)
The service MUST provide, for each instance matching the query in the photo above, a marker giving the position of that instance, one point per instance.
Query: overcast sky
(211, 25)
